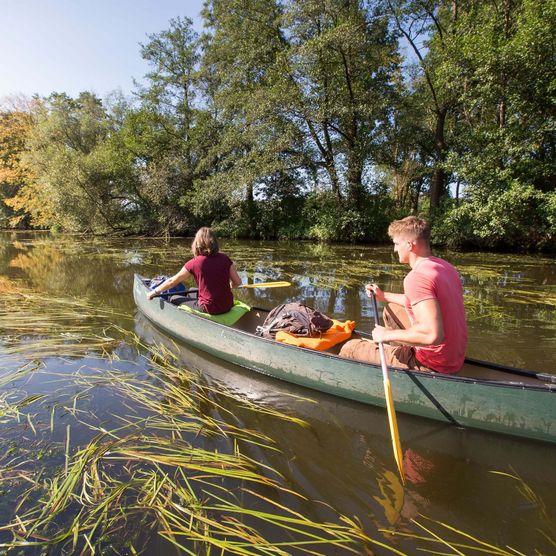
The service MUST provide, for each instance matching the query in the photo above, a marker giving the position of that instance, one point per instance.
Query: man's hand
(151, 294)
(379, 334)
(373, 288)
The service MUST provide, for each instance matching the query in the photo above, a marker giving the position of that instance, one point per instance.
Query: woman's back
(212, 276)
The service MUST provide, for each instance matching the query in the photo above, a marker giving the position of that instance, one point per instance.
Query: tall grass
(169, 463)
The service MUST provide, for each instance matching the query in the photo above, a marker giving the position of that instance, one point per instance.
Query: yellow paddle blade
(394, 428)
(266, 285)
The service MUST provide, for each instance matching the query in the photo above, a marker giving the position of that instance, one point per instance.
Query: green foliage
(326, 220)
(280, 118)
(68, 155)
(520, 218)
(504, 64)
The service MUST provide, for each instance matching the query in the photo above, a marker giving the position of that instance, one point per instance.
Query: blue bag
(176, 290)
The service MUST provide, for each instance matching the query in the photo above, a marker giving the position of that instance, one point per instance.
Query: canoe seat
(231, 317)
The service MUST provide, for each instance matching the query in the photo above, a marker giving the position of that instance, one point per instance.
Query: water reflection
(345, 457)
(510, 300)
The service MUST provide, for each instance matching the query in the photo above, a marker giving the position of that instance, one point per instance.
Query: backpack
(295, 318)
(157, 280)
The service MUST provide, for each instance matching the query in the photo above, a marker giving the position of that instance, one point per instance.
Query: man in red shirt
(425, 326)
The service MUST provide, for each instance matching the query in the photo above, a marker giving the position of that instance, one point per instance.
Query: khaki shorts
(396, 356)
(401, 356)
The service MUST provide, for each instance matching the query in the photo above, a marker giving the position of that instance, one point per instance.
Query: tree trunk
(354, 175)
(438, 177)
(417, 195)
(330, 166)
(327, 153)
(333, 175)
(250, 209)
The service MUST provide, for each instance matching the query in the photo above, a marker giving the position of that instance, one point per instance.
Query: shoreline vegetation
(169, 462)
(306, 120)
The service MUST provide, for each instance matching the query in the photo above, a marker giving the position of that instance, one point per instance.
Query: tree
(504, 60)
(427, 26)
(163, 133)
(72, 170)
(504, 141)
(254, 144)
(14, 127)
(342, 61)
(302, 94)
(23, 204)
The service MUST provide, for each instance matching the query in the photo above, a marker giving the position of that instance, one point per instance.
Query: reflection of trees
(70, 267)
(67, 266)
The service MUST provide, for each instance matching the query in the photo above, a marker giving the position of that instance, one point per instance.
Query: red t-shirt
(212, 276)
(435, 278)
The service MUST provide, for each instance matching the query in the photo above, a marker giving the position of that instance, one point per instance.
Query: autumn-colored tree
(20, 205)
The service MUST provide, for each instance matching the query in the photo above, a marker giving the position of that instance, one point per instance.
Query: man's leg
(369, 352)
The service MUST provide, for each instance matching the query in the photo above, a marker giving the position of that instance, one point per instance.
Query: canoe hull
(509, 408)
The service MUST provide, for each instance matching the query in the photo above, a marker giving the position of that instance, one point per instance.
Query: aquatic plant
(166, 463)
(151, 469)
(169, 463)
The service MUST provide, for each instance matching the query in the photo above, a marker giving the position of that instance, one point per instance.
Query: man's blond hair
(410, 227)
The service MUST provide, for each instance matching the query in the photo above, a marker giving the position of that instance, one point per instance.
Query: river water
(343, 459)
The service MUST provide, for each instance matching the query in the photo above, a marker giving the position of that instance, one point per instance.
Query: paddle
(258, 285)
(389, 400)
(266, 285)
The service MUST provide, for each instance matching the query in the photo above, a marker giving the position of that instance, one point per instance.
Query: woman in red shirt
(214, 273)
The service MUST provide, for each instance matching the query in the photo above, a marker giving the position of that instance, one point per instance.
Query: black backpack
(295, 318)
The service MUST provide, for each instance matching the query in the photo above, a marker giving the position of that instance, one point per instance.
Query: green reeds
(148, 470)
(168, 465)
(36, 326)
(449, 538)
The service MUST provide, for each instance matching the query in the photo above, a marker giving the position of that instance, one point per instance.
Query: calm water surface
(344, 458)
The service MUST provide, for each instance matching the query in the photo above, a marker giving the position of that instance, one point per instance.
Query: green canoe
(483, 395)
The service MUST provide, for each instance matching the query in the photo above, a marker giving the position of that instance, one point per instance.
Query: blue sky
(75, 45)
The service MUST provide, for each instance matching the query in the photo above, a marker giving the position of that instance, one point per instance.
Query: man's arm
(385, 297)
(428, 329)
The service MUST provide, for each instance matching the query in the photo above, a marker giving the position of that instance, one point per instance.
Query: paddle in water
(389, 400)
